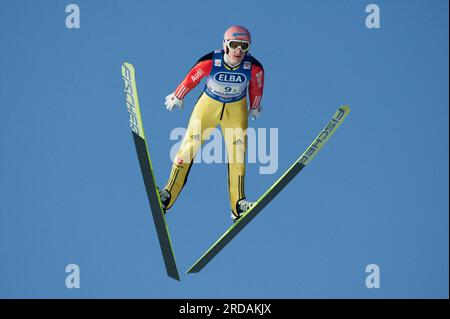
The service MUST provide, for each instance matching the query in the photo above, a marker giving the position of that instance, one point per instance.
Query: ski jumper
(223, 102)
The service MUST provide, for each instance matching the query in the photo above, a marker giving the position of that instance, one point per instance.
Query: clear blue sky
(71, 190)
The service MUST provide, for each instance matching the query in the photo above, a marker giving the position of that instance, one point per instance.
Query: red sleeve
(195, 75)
(256, 86)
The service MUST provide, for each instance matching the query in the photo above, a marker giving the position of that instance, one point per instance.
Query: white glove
(172, 101)
(255, 113)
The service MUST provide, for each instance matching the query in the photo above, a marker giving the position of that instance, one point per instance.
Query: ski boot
(242, 206)
(164, 195)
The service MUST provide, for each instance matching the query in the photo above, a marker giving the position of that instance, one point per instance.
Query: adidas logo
(238, 142)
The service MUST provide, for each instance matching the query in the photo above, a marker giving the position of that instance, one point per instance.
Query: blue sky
(70, 184)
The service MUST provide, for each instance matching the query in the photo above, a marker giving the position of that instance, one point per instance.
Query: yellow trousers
(207, 115)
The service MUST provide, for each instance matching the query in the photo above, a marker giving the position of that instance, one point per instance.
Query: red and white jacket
(203, 69)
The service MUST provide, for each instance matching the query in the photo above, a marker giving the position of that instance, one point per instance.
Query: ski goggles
(234, 44)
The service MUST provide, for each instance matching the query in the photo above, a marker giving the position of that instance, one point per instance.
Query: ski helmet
(238, 33)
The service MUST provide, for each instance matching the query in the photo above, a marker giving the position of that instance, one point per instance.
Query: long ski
(137, 129)
(273, 191)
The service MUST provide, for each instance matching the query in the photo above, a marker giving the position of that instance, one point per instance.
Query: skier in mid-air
(229, 73)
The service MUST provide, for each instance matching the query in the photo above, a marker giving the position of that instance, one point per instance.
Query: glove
(255, 113)
(172, 101)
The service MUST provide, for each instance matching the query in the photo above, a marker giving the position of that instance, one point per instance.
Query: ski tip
(191, 271)
(175, 276)
(346, 108)
(128, 65)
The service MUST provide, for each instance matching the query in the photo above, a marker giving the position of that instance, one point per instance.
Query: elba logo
(230, 77)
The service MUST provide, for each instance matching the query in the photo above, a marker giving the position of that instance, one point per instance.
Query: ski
(273, 191)
(137, 129)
